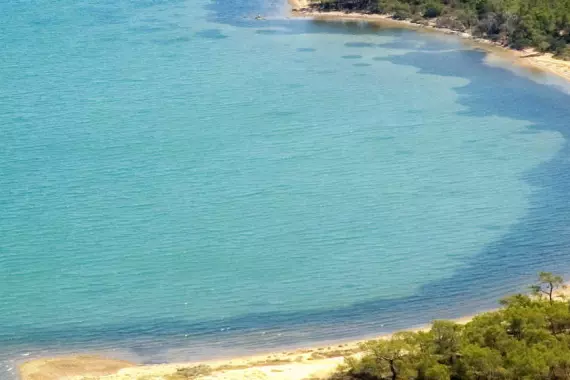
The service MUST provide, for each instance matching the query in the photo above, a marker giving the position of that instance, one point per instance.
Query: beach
(296, 364)
(304, 363)
(528, 58)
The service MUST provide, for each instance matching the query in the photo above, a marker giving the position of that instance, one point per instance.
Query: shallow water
(180, 181)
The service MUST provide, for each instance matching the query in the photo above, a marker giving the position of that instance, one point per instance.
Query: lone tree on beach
(547, 285)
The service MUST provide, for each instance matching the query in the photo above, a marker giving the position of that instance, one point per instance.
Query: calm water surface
(181, 181)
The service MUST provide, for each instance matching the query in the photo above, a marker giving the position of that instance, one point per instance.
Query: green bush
(466, 17)
(401, 11)
(563, 53)
(385, 6)
(417, 19)
(543, 46)
(450, 23)
(433, 10)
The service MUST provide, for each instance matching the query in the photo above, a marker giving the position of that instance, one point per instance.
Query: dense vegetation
(528, 339)
(542, 24)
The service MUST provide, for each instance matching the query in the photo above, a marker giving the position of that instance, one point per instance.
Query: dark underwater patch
(212, 34)
(172, 41)
(359, 44)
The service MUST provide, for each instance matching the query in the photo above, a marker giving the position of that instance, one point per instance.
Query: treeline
(528, 339)
(541, 24)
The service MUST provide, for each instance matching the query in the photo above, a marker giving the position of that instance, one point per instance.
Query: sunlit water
(181, 181)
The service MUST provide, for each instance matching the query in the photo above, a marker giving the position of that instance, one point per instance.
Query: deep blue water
(180, 181)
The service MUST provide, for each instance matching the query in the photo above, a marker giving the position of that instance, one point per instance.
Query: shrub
(385, 6)
(417, 19)
(563, 53)
(557, 45)
(467, 17)
(450, 23)
(402, 11)
(433, 10)
(490, 25)
(520, 43)
(543, 46)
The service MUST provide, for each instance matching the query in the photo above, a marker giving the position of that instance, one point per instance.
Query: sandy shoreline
(295, 364)
(527, 58)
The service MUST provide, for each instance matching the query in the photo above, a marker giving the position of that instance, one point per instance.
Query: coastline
(528, 58)
(295, 364)
(301, 363)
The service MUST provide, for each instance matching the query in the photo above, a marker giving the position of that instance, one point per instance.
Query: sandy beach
(309, 363)
(297, 364)
(526, 58)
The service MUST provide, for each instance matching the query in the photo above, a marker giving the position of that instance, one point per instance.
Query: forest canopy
(527, 339)
(541, 24)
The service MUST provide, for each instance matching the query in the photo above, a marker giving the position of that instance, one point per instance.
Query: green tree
(483, 363)
(391, 357)
(433, 10)
(437, 372)
(446, 340)
(547, 285)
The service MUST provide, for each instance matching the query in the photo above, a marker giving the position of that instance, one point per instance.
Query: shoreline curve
(294, 364)
(527, 58)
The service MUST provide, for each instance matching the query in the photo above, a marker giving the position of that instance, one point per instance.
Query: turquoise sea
(180, 181)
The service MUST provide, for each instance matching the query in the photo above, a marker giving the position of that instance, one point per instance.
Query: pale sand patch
(238, 370)
(547, 63)
(68, 367)
(527, 58)
(298, 4)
